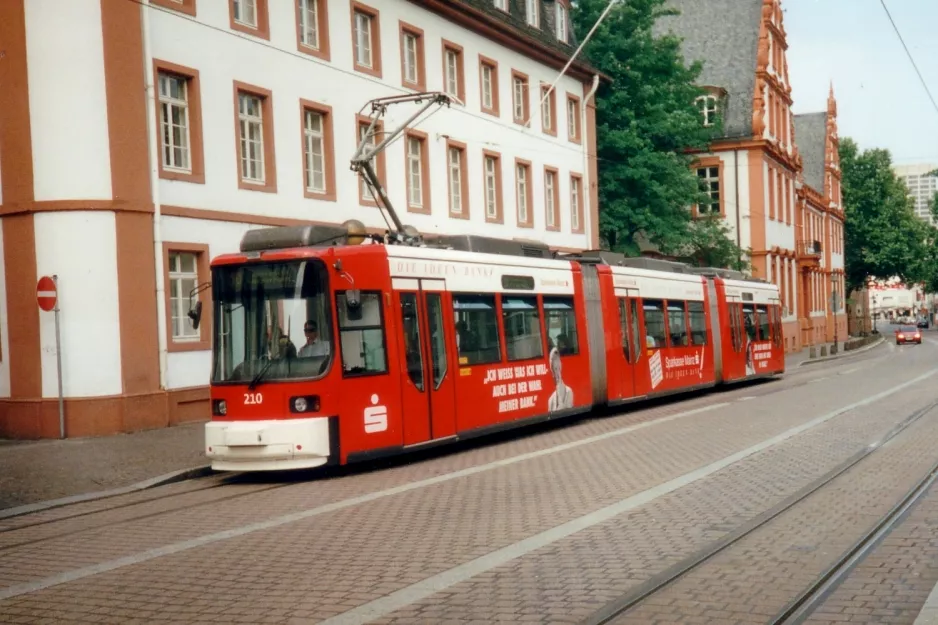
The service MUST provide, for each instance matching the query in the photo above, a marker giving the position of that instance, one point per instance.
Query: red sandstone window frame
(455, 48)
(196, 173)
(328, 147)
(492, 64)
(526, 97)
(324, 51)
(706, 163)
(201, 252)
(267, 112)
(577, 136)
(421, 58)
(551, 102)
(262, 30)
(375, 33)
(426, 207)
(380, 160)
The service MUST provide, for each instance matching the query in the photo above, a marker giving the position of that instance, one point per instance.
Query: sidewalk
(35, 471)
(798, 359)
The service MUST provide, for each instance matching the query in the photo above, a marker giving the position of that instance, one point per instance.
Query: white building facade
(922, 183)
(152, 135)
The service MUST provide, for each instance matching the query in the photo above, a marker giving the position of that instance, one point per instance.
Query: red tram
(327, 350)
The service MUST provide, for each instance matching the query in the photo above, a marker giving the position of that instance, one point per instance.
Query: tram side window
(698, 323)
(476, 329)
(750, 321)
(361, 330)
(522, 320)
(764, 325)
(624, 326)
(655, 334)
(677, 323)
(560, 318)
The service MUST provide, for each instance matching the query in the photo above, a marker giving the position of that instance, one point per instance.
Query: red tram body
(328, 353)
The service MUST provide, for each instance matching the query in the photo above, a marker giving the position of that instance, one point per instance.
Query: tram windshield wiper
(260, 374)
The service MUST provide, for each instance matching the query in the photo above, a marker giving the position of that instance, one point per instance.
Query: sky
(880, 99)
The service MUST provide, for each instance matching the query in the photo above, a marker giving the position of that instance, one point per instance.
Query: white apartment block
(922, 186)
(140, 139)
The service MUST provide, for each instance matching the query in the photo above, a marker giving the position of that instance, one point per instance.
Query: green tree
(883, 236)
(710, 245)
(646, 120)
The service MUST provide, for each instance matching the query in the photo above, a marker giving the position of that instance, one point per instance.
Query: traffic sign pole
(47, 296)
(58, 359)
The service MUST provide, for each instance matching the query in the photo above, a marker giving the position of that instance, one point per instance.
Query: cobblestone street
(546, 525)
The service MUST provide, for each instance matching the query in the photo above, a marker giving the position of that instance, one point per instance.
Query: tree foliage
(646, 120)
(883, 236)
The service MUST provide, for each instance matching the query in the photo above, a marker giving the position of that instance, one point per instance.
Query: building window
(710, 181)
(183, 6)
(411, 75)
(523, 192)
(418, 169)
(315, 151)
(519, 97)
(318, 156)
(573, 118)
(708, 109)
(251, 128)
(179, 122)
(488, 81)
(256, 170)
(366, 39)
(365, 195)
(531, 12)
(551, 199)
(309, 23)
(548, 110)
(185, 268)
(245, 12)
(457, 180)
(492, 172)
(174, 122)
(576, 203)
(312, 27)
(453, 76)
(183, 279)
(561, 22)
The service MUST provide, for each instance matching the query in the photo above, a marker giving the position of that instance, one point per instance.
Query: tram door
(428, 388)
(632, 340)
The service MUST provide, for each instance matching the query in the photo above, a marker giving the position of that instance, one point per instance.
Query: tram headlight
(220, 407)
(309, 403)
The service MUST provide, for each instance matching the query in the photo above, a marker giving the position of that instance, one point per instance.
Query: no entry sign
(46, 293)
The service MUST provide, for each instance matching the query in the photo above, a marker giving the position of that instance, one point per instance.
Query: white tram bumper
(267, 445)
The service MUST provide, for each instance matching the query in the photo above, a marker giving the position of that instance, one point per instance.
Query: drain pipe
(153, 150)
(587, 195)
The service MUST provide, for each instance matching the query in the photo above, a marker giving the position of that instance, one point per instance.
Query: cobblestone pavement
(33, 471)
(543, 526)
(891, 584)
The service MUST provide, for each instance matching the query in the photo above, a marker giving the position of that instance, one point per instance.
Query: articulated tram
(331, 347)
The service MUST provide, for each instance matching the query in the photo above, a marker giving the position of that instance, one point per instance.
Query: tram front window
(271, 322)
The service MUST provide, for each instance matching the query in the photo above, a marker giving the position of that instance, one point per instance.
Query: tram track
(812, 596)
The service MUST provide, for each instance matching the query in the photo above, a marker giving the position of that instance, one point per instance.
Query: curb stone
(852, 352)
(160, 480)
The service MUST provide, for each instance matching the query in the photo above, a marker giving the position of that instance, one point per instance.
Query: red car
(908, 334)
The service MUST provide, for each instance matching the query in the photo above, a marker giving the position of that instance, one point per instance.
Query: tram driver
(314, 346)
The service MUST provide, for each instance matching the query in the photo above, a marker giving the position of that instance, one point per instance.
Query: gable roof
(724, 35)
(811, 139)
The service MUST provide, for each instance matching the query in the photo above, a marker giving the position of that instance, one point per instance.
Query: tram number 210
(251, 399)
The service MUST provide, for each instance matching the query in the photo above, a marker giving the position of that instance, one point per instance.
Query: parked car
(908, 334)
(923, 323)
